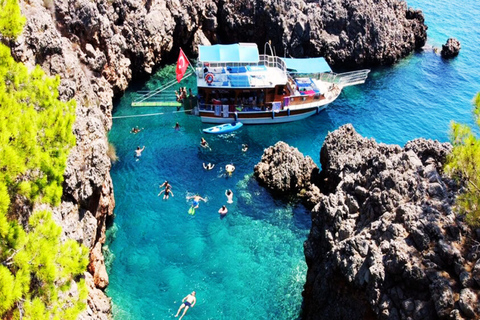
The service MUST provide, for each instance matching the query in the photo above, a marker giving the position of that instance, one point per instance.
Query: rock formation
(385, 242)
(450, 49)
(346, 32)
(98, 47)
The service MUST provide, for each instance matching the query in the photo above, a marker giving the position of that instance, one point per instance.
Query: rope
(146, 115)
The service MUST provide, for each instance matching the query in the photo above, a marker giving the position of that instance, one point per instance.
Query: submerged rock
(385, 242)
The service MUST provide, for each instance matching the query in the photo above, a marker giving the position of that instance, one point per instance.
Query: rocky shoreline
(385, 241)
(97, 48)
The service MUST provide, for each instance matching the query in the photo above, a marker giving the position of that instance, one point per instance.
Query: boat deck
(251, 76)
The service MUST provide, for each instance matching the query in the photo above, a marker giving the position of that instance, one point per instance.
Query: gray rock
(468, 303)
(450, 49)
(383, 228)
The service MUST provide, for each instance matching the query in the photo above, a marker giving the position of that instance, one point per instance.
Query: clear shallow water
(250, 265)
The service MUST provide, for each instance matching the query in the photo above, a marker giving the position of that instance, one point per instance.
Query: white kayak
(224, 128)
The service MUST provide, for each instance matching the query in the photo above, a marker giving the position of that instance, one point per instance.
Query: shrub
(464, 165)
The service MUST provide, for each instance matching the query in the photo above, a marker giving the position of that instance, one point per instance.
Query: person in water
(167, 191)
(187, 302)
(196, 200)
(204, 143)
(229, 195)
(208, 166)
(229, 168)
(244, 147)
(165, 184)
(223, 211)
(135, 130)
(177, 126)
(138, 152)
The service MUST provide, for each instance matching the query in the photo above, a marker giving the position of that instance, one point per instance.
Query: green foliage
(35, 132)
(11, 19)
(40, 276)
(464, 164)
(40, 270)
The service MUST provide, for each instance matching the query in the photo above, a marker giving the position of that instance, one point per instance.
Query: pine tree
(40, 276)
(464, 164)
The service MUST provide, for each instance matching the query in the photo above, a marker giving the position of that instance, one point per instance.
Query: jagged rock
(98, 304)
(97, 267)
(283, 169)
(347, 32)
(469, 303)
(450, 49)
(384, 241)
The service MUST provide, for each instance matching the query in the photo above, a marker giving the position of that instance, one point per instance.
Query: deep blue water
(250, 265)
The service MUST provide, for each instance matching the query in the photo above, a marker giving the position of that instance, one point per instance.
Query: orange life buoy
(209, 78)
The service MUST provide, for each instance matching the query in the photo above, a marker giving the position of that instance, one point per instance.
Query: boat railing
(272, 62)
(231, 108)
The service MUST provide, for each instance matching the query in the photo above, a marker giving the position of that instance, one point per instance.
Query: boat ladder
(351, 78)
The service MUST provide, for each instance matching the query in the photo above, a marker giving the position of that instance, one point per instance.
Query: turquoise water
(250, 265)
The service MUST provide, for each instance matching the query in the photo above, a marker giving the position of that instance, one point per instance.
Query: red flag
(182, 65)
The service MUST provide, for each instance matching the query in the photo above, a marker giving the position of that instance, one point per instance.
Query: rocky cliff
(98, 47)
(385, 242)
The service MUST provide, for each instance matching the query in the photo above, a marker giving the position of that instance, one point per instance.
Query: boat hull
(261, 117)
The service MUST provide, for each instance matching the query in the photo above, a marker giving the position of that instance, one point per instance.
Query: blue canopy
(240, 52)
(307, 65)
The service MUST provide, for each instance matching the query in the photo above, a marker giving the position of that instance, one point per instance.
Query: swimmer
(167, 191)
(177, 126)
(204, 143)
(229, 195)
(138, 152)
(223, 211)
(188, 302)
(165, 184)
(244, 147)
(196, 200)
(135, 130)
(229, 168)
(208, 166)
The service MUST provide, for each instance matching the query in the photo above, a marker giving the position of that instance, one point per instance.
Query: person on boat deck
(196, 200)
(223, 211)
(203, 143)
(208, 166)
(229, 168)
(138, 152)
(229, 195)
(167, 191)
(187, 302)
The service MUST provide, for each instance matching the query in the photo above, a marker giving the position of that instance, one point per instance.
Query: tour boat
(237, 84)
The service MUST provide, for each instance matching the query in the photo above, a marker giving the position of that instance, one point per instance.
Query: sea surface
(250, 265)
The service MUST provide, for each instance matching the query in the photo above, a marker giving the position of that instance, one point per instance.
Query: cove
(250, 265)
